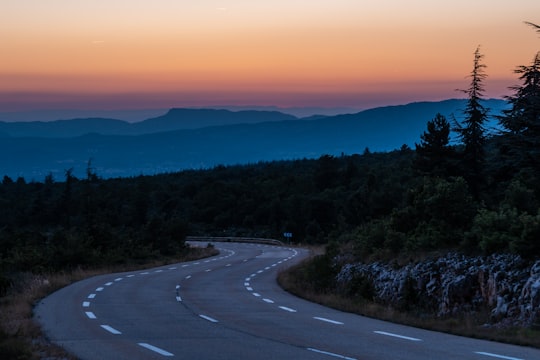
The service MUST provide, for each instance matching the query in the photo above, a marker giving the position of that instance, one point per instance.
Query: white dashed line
(256, 294)
(496, 356)
(328, 320)
(91, 296)
(108, 284)
(130, 276)
(111, 330)
(145, 273)
(268, 301)
(287, 309)
(208, 270)
(228, 265)
(397, 336)
(249, 288)
(188, 277)
(246, 284)
(178, 298)
(86, 303)
(118, 279)
(158, 271)
(99, 289)
(331, 354)
(208, 318)
(172, 268)
(155, 349)
(90, 315)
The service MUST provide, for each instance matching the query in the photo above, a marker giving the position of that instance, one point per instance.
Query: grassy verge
(21, 337)
(294, 281)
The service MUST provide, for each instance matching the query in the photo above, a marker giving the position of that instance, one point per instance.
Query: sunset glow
(165, 53)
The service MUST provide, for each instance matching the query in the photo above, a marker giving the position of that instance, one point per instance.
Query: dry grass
(21, 337)
(472, 325)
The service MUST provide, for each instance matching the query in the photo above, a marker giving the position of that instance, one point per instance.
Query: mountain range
(202, 138)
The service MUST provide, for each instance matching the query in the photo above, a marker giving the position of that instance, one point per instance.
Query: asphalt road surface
(230, 307)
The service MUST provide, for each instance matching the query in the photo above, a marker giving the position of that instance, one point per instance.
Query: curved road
(230, 307)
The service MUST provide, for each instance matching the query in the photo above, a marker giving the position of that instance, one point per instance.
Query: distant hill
(174, 119)
(256, 136)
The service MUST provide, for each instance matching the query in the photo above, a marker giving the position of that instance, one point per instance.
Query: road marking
(208, 270)
(267, 268)
(249, 288)
(177, 287)
(158, 271)
(397, 336)
(328, 320)
(145, 273)
(86, 303)
(185, 266)
(155, 349)
(108, 284)
(256, 294)
(111, 329)
(287, 309)
(246, 284)
(99, 289)
(268, 301)
(178, 298)
(331, 354)
(248, 279)
(90, 315)
(197, 263)
(260, 271)
(497, 356)
(208, 318)
(118, 279)
(188, 277)
(130, 276)
(228, 265)
(91, 296)
(172, 268)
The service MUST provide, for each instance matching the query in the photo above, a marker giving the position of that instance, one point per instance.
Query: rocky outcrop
(455, 284)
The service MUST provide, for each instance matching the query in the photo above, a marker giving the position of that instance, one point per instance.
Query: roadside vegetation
(478, 195)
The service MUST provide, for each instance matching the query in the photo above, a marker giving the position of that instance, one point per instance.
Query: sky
(131, 54)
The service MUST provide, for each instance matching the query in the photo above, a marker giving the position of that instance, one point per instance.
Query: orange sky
(164, 53)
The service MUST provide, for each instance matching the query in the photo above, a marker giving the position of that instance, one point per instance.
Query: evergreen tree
(433, 153)
(522, 121)
(471, 130)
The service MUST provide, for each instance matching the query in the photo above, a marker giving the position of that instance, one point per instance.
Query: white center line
(90, 315)
(287, 309)
(497, 356)
(208, 318)
(397, 336)
(331, 354)
(111, 329)
(328, 320)
(156, 349)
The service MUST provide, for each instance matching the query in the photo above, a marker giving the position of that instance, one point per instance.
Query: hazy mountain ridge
(264, 139)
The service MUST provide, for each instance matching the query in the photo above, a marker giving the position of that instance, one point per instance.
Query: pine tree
(471, 130)
(433, 154)
(522, 121)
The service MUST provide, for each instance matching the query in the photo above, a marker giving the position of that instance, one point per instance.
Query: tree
(522, 121)
(471, 130)
(433, 152)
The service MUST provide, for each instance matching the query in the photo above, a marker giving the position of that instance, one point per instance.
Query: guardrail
(234, 239)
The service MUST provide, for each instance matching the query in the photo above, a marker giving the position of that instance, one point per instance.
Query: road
(230, 307)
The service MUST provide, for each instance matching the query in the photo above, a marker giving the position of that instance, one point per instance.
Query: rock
(456, 284)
